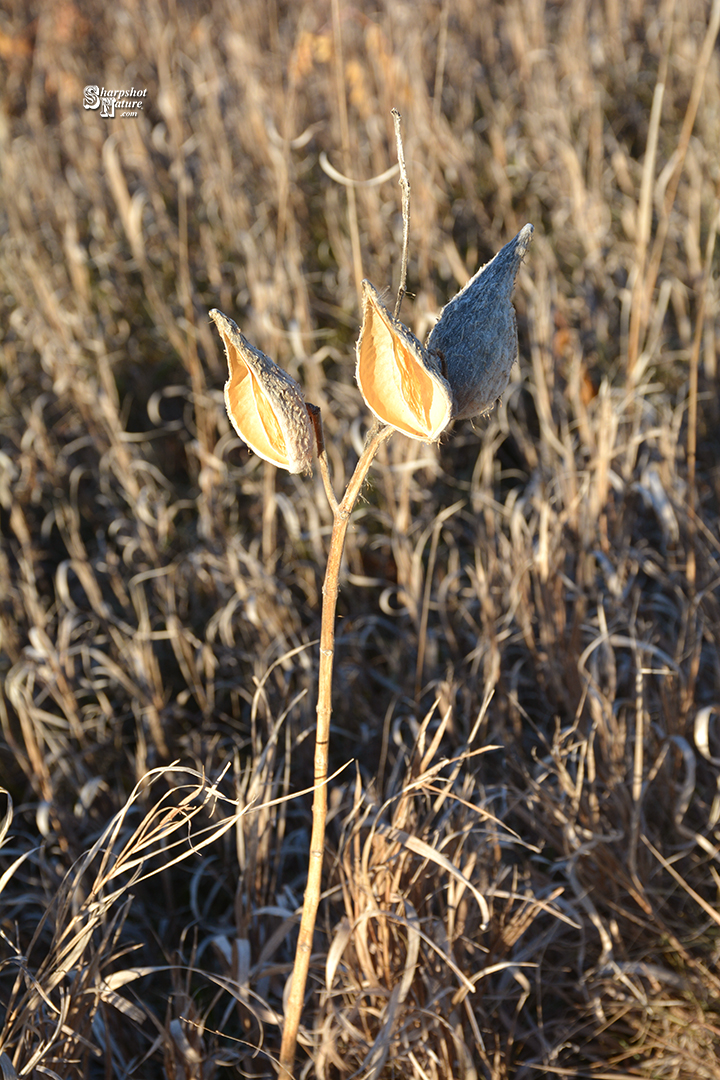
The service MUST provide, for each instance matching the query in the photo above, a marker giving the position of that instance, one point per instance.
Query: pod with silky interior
(475, 339)
(464, 366)
(399, 381)
(265, 404)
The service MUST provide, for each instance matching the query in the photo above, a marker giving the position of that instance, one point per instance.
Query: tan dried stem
(341, 516)
(693, 395)
(316, 419)
(377, 434)
(405, 188)
(345, 135)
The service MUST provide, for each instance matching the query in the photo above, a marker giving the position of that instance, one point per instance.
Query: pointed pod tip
(370, 295)
(524, 239)
(514, 251)
(223, 322)
(500, 272)
(526, 234)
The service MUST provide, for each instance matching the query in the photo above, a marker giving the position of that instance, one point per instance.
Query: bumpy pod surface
(475, 338)
(399, 381)
(265, 404)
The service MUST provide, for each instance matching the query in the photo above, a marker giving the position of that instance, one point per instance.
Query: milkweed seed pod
(265, 405)
(475, 338)
(399, 381)
(464, 366)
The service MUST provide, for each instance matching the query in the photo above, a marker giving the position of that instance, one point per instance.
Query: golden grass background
(545, 582)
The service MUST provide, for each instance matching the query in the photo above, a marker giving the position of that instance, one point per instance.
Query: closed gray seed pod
(475, 338)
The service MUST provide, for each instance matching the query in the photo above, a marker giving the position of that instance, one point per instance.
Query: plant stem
(316, 418)
(405, 188)
(341, 518)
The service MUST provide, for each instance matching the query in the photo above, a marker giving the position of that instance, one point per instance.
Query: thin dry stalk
(341, 518)
(345, 137)
(405, 187)
(640, 299)
(647, 281)
(693, 395)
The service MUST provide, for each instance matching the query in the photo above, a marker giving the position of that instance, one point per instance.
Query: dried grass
(521, 873)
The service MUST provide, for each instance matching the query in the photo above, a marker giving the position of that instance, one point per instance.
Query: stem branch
(341, 517)
(405, 188)
(316, 417)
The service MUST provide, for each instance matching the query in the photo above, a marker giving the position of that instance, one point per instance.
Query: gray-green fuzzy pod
(475, 338)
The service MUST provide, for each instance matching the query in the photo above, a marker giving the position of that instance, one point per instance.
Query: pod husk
(401, 384)
(265, 404)
(475, 339)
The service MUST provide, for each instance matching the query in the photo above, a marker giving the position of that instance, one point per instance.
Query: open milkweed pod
(475, 339)
(265, 405)
(399, 381)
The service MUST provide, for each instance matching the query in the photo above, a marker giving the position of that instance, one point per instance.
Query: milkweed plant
(460, 372)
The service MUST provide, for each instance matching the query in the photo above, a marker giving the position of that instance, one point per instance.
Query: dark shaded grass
(159, 588)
